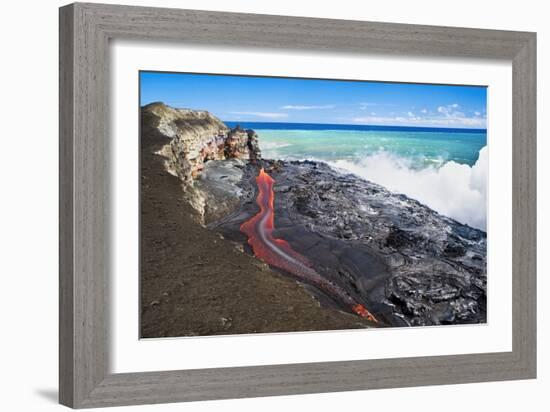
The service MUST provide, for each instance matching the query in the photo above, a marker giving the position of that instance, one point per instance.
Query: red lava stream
(278, 253)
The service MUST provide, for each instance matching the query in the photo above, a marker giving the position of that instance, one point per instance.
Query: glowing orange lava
(259, 229)
(363, 312)
(278, 253)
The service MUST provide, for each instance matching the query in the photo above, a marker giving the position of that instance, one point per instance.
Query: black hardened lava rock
(407, 263)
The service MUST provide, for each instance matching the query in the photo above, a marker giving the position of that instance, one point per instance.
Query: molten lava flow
(363, 312)
(278, 253)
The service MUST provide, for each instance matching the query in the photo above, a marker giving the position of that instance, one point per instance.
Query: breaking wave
(455, 190)
(265, 146)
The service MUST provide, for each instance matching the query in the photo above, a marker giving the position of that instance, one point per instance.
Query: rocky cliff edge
(196, 136)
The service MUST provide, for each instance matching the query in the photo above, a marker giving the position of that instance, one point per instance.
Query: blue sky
(257, 99)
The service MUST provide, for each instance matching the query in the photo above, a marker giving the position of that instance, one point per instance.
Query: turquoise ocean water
(421, 146)
(446, 169)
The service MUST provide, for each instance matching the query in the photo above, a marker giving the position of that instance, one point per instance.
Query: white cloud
(451, 110)
(446, 119)
(378, 119)
(449, 115)
(267, 115)
(303, 107)
(368, 105)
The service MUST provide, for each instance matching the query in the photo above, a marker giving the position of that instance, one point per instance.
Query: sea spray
(446, 169)
(452, 189)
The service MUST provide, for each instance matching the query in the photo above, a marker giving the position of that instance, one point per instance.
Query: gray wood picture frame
(85, 31)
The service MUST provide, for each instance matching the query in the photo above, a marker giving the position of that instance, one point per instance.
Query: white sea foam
(454, 190)
(273, 145)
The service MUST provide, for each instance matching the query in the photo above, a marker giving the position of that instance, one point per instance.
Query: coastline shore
(199, 277)
(195, 283)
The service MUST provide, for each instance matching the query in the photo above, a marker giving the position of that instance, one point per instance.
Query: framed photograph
(256, 205)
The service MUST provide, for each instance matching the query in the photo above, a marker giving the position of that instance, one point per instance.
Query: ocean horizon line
(347, 126)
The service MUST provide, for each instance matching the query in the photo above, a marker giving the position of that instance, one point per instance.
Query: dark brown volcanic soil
(194, 282)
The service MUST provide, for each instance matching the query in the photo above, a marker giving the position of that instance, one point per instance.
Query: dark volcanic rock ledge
(187, 139)
(405, 262)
